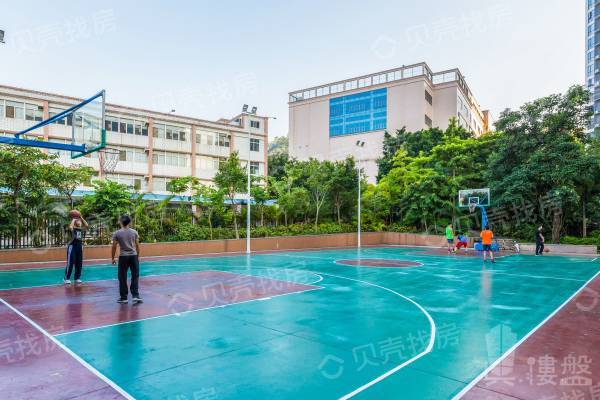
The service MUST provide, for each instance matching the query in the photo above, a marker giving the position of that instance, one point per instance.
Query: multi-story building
(154, 147)
(326, 121)
(592, 57)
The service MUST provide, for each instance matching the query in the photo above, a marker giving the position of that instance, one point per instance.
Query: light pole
(360, 144)
(248, 249)
(252, 112)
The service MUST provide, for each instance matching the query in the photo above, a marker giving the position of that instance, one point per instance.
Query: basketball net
(472, 207)
(108, 159)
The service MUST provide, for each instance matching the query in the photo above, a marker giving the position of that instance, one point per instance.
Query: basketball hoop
(472, 207)
(108, 158)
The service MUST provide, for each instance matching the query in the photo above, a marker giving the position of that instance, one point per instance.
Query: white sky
(206, 58)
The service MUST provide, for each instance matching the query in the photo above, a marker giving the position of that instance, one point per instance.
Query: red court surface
(33, 366)
(62, 309)
(559, 361)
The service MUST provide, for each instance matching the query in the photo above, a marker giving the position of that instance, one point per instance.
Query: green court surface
(418, 332)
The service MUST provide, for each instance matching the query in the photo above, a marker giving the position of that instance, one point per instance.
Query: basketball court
(371, 323)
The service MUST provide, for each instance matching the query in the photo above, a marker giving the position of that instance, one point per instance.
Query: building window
(255, 124)
(223, 140)
(160, 184)
(208, 163)
(15, 110)
(162, 131)
(34, 112)
(359, 112)
(207, 139)
(171, 159)
(428, 97)
(428, 121)
(254, 167)
(254, 145)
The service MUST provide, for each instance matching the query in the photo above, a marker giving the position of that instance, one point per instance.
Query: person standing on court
(128, 241)
(486, 241)
(75, 249)
(539, 241)
(450, 238)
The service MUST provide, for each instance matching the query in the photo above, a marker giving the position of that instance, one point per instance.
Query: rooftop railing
(397, 74)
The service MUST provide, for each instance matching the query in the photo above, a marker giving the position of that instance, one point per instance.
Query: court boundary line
(177, 314)
(77, 358)
(171, 257)
(95, 262)
(508, 274)
(405, 363)
(485, 372)
(210, 268)
(454, 269)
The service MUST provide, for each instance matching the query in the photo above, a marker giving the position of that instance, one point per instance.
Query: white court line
(514, 347)
(112, 279)
(176, 257)
(188, 312)
(68, 351)
(209, 268)
(508, 274)
(594, 259)
(407, 362)
(434, 265)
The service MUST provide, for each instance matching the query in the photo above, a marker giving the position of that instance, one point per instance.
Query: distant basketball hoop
(109, 158)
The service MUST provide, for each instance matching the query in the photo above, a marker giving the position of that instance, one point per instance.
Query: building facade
(326, 121)
(154, 147)
(592, 57)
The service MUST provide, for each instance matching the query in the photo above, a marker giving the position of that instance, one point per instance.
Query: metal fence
(54, 232)
(46, 233)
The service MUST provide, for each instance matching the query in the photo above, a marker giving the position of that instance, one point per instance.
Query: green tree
(542, 155)
(343, 183)
(108, 201)
(278, 156)
(276, 164)
(414, 143)
(315, 177)
(67, 179)
(209, 200)
(260, 195)
(231, 179)
(24, 177)
(375, 206)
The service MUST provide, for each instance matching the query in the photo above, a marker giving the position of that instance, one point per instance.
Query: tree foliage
(231, 179)
(543, 161)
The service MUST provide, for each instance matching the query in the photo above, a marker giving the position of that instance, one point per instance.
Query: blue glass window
(359, 112)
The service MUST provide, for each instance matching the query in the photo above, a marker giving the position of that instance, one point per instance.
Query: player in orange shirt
(486, 240)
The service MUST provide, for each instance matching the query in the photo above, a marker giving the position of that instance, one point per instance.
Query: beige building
(154, 147)
(327, 120)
